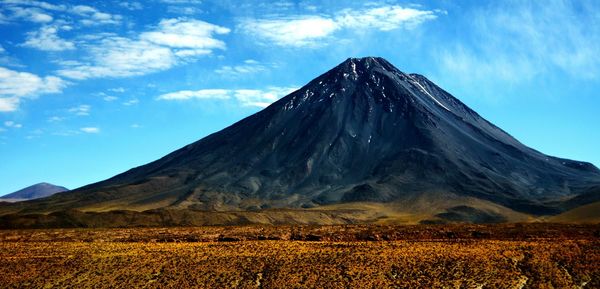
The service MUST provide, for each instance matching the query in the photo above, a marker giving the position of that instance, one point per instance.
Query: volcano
(362, 133)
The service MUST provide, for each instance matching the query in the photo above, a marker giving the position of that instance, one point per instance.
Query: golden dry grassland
(494, 256)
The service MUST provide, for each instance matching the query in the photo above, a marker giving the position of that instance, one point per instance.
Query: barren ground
(423, 256)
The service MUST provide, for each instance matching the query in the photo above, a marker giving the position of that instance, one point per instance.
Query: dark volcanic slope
(34, 192)
(363, 131)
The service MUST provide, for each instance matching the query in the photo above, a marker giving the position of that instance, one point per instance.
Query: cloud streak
(81, 110)
(46, 38)
(42, 12)
(248, 67)
(32, 14)
(172, 42)
(131, 102)
(311, 30)
(15, 85)
(92, 16)
(90, 129)
(297, 31)
(245, 97)
(12, 124)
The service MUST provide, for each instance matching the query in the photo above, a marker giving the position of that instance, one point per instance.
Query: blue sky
(90, 89)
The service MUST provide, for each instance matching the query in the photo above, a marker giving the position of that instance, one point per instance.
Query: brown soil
(423, 256)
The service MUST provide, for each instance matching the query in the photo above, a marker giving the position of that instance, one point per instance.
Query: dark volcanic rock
(363, 131)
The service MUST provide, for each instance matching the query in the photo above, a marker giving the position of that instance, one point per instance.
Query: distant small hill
(36, 191)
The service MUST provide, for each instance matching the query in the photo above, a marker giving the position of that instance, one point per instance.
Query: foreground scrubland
(451, 256)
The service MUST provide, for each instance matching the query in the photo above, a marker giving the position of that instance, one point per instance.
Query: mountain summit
(363, 132)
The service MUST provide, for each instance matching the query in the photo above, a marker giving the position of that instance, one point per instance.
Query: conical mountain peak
(369, 62)
(354, 67)
(375, 80)
(363, 131)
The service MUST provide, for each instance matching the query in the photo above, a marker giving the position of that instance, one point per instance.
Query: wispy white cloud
(131, 102)
(38, 4)
(133, 5)
(385, 18)
(55, 18)
(81, 110)
(16, 85)
(311, 30)
(186, 34)
(41, 12)
(56, 119)
(196, 94)
(245, 97)
(90, 129)
(9, 104)
(249, 66)
(514, 42)
(303, 30)
(181, 1)
(92, 16)
(261, 98)
(174, 41)
(12, 124)
(46, 38)
(122, 57)
(117, 89)
(184, 10)
(110, 98)
(32, 14)
(107, 97)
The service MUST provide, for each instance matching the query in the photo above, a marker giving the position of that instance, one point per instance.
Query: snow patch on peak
(353, 65)
(416, 82)
(307, 94)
